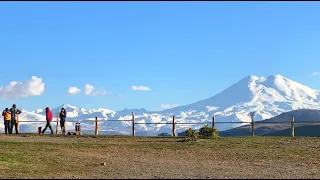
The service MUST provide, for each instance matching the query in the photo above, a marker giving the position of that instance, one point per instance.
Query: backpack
(7, 116)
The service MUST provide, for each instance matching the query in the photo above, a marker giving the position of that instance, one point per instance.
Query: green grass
(49, 156)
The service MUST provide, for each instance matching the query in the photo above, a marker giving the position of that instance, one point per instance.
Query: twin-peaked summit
(269, 96)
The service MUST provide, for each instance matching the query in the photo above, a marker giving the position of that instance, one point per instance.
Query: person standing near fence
(63, 115)
(14, 117)
(7, 121)
(48, 119)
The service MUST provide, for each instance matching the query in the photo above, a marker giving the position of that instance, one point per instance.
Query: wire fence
(94, 127)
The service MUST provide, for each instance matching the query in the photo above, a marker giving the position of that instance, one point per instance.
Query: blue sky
(182, 51)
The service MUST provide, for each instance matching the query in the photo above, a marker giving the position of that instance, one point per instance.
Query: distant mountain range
(267, 96)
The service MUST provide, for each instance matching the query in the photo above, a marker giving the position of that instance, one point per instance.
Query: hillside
(302, 115)
(303, 130)
(267, 96)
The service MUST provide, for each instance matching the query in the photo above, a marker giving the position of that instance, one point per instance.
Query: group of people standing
(10, 117)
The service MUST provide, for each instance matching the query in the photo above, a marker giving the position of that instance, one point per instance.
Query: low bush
(208, 132)
(203, 133)
(164, 134)
(191, 135)
(182, 134)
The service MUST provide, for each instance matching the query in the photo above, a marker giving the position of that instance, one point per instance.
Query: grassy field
(33, 156)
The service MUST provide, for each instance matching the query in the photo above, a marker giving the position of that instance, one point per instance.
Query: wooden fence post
(133, 130)
(213, 121)
(96, 127)
(292, 127)
(57, 127)
(173, 127)
(252, 126)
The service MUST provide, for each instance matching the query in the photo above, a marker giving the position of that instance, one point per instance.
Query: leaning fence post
(292, 127)
(252, 127)
(173, 127)
(57, 127)
(96, 127)
(133, 131)
(213, 121)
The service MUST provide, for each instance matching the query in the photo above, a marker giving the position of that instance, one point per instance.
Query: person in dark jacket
(63, 115)
(7, 120)
(48, 119)
(14, 118)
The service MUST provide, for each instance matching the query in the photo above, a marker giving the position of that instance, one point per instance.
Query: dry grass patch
(49, 156)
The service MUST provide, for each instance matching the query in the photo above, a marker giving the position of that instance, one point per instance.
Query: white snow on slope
(268, 96)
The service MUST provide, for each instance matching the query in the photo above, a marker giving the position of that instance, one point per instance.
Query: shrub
(164, 134)
(208, 132)
(182, 134)
(204, 133)
(192, 134)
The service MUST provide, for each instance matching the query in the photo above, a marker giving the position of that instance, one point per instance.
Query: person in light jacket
(63, 115)
(7, 121)
(48, 119)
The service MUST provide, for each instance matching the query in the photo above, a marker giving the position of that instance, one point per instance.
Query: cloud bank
(88, 90)
(32, 87)
(74, 90)
(140, 88)
(168, 106)
(316, 74)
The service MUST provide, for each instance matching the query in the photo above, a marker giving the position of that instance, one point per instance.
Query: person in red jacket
(49, 119)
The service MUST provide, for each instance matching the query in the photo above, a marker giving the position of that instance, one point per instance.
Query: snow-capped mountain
(267, 96)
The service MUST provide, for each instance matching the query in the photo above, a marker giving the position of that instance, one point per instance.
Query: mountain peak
(254, 78)
(250, 78)
(68, 106)
(271, 79)
(277, 77)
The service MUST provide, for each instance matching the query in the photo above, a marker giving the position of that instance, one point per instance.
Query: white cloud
(14, 90)
(101, 93)
(168, 106)
(90, 90)
(316, 74)
(140, 88)
(74, 90)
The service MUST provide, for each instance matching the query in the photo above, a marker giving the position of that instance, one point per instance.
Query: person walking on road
(48, 119)
(7, 121)
(14, 118)
(63, 115)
